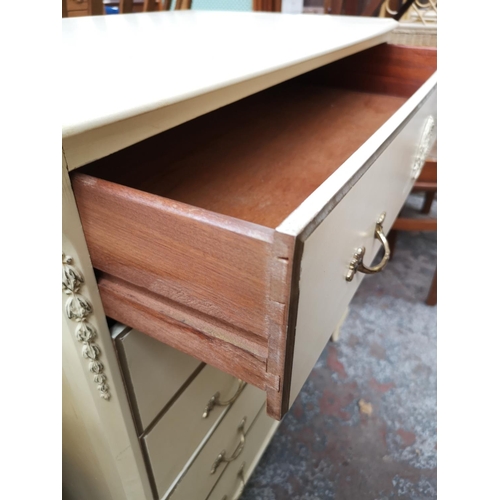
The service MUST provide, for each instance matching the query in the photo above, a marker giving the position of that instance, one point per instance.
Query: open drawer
(232, 237)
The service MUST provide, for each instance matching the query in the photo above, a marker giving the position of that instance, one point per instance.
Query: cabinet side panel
(98, 429)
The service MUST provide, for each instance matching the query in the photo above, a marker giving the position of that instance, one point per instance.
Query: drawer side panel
(211, 263)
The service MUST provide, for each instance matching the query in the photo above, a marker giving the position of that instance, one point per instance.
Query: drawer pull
(241, 476)
(215, 401)
(357, 261)
(221, 457)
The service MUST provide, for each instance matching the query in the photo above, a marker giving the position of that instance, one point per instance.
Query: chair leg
(432, 297)
(429, 198)
(391, 238)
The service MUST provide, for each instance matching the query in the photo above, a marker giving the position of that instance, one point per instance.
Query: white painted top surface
(127, 65)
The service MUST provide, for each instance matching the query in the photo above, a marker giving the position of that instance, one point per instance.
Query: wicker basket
(416, 35)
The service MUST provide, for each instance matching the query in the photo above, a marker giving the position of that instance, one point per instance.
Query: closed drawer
(174, 439)
(228, 440)
(218, 236)
(238, 472)
(154, 373)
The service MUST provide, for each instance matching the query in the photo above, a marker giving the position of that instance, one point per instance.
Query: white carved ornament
(424, 147)
(78, 309)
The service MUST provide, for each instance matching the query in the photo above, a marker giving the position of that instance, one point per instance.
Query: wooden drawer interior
(259, 158)
(182, 226)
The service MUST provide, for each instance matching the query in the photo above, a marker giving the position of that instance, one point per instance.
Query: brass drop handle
(241, 476)
(356, 263)
(221, 457)
(215, 401)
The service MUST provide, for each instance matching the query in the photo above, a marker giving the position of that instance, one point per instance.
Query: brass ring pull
(221, 457)
(241, 476)
(356, 263)
(215, 401)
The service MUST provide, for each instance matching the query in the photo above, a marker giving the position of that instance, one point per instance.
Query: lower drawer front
(324, 291)
(226, 440)
(154, 373)
(237, 473)
(177, 435)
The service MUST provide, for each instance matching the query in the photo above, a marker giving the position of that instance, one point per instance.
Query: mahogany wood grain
(432, 296)
(72, 5)
(428, 173)
(429, 199)
(333, 6)
(144, 312)
(126, 6)
(151, 5)
(408, 224)
(96, 8)
(388, 69)
(214, 264)
(279, 362)
(351, 7)
(266, 5)
(262, 156)
(371, 7)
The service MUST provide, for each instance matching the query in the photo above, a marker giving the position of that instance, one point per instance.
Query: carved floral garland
(78, 309)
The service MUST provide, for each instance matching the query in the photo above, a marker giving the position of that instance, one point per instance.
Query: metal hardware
(221, 457)
(424, 147)
(241, 476)
(356, 263)
(214, 400)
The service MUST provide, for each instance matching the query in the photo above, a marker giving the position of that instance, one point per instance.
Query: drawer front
(324, 292)
(174, 439)
(154, 373)
(199, 479)
(237, 473)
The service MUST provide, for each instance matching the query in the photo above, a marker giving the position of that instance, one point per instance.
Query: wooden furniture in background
(267, 5)
(352, 7)
(78, 8)
(427, 183)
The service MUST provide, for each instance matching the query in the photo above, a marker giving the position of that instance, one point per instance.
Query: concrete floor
(364, 425)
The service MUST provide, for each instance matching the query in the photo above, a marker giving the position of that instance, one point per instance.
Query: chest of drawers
(229, 213)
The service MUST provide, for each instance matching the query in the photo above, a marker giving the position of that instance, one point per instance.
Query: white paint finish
(156, 372)
(338, 328)
(98, 434)
(339, 182)
(323, 291)
(258, 438)
(198, 481)
(203, 72)
(174, 439)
